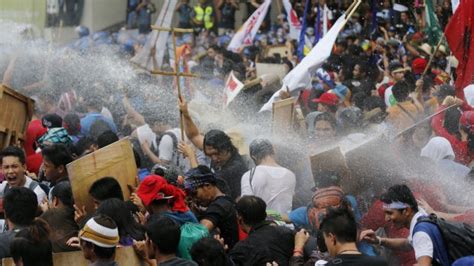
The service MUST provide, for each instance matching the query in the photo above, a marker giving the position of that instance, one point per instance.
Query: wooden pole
(433, 55)
(176, 67)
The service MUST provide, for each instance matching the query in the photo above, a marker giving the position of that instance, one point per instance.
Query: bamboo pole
(176, 67)
(433, 55)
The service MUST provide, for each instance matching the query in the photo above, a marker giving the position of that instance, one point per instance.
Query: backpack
(190, 234)
(98, 127)
(322, 199)
(458, 237)
(33, 185)
(175, 147)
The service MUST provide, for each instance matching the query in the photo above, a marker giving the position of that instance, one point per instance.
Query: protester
(20, 206)
(31, 245)
(268, 180)
(14, 171)
(220, 212)
(55, 159)
(265, 243)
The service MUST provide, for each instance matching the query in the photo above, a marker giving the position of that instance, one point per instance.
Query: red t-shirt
(34, 131)
(375, 219)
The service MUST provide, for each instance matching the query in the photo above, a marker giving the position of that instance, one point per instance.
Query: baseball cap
(328, 99)
(152, 188)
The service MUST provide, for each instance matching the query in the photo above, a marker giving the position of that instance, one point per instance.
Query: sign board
(115, 160)
(15, 114)
(277, 69)
(283, 50)
(123, 256)
(282, 115)
(329, 160)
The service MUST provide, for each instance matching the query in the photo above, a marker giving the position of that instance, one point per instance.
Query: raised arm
(192, 132)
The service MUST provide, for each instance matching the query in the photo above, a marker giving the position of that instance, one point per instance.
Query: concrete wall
(101, 14)
(25, 11)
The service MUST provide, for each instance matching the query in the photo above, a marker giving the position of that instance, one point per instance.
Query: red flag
(459, 34)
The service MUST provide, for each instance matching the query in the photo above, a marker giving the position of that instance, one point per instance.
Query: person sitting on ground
(20, 205)
(220, 213)
(129, 228)
(265, 243)
(163, 199)
(98, 240)
(339, 230)
(13, 167)
(163, 236)
(31, 246)
(226, 161)
(268, 180)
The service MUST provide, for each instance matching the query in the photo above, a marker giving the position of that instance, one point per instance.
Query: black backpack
(458, 237)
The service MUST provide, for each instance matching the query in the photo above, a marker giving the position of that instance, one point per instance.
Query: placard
(115, 160)
(276, 69)
(282, 115)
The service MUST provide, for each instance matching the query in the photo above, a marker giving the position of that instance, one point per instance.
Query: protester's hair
(57, 154)
(63, 192)
(451, 121)
(13, 152)
(252, 209)
(363, 68)
(326, 117)
(402, 194)
(373, 102)
(106, 138)
(401, 91)
(93, 102)
(208, 251)
(106, 188)
(220, 141)
(126, 223)
(20, 205)
(101, 252)
(72, 123)
(359, 98)
(261, 148)
(32, 245)
(165, 234)
(83, 144)
(341, 223)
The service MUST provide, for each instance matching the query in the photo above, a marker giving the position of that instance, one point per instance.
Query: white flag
(293, 21)
(151, 56)
(300, 77)
(245, 35)
(454, 5)
(232, 88)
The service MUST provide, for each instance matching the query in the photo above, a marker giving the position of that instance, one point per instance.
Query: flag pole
(432, 55)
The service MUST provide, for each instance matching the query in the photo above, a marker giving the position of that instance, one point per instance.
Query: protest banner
(282, 115)
(15, 114)
(329, 160)
(116, 160)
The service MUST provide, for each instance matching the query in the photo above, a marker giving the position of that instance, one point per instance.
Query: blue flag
(301, 43)
(317, 27)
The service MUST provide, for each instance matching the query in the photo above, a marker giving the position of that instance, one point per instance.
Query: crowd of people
(221, 189)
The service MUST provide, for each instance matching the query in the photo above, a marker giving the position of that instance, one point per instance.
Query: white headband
(396, 205)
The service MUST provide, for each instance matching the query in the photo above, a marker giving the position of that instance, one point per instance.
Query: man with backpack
(434, 240)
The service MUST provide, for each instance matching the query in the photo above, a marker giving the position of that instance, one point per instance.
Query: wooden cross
(176, 72)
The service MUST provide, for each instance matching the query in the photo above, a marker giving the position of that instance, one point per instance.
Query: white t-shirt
(389, 98)
(421, 241)
(37, 190)
(275, 185)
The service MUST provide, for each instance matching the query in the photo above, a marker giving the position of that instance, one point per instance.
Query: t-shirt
(420, 241)
(227, 16)
(274, 184)
(178, 262)
(221, 212)
(232, 172)
(5, 240)
(185, 12)
(40, 194)
(89, 119)
(389, 98)
(354, 260)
